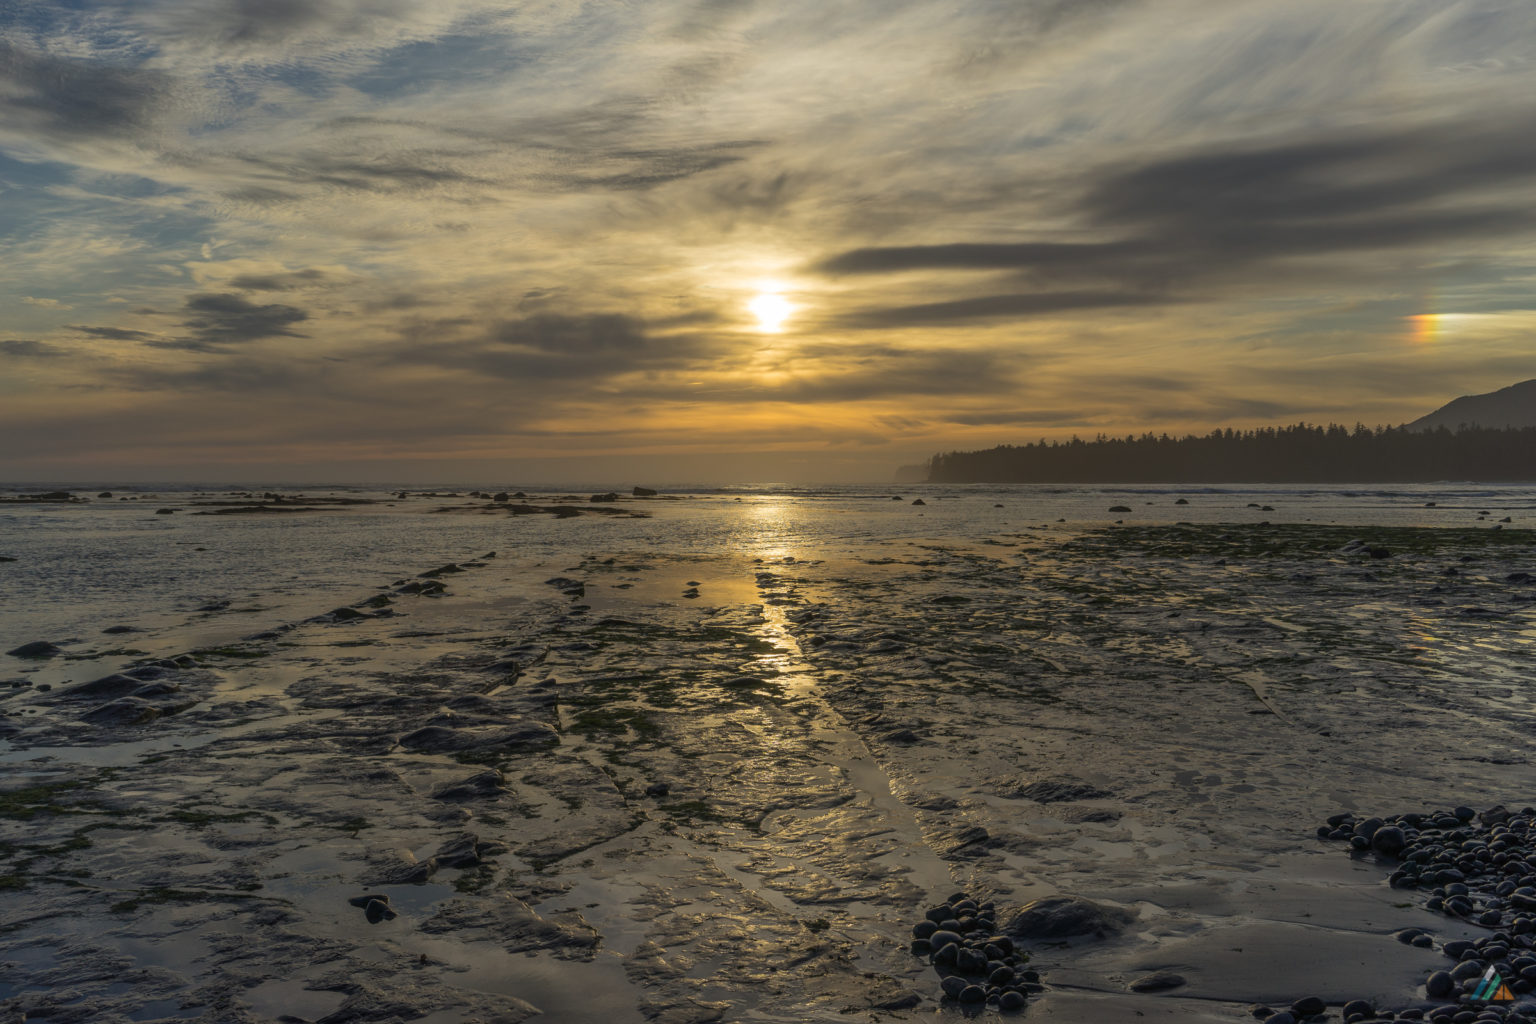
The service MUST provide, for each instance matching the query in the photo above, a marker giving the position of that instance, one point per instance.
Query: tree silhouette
(1295, 454)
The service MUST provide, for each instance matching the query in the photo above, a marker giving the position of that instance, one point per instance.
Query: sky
(737, 240)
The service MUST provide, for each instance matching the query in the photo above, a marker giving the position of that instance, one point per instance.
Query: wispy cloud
(539, 226)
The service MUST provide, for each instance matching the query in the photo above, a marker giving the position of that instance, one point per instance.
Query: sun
(771, 310)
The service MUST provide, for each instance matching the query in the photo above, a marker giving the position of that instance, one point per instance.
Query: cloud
(553, 347)
(384, 175)
(70, 96)
(277, 282)
(218, 319)
(991, 307)
(1170, 226)
(45, 303)
(113, 333)
(22, 349)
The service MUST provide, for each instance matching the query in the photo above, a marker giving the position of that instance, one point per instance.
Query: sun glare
(771, 310)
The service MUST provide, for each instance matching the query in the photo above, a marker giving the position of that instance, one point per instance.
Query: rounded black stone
(946, 954)
(1308, 1006)
(973, 994)
(1389, 841)
(1358, 1007)
(938, 914)
(953, 986)
(942, 938)
(924, 929)
(1439, 985)
(970, 961)
(1368, 827)
(1010, 1001)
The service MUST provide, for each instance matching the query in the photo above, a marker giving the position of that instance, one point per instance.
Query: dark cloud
(1166, 226)
(554, 347)
(246, 21)
(988, 307)
(651, 167)
(22, 349)
(75, 96)
(383, 175)
(112, 333)
(277, 282)
(217, 319)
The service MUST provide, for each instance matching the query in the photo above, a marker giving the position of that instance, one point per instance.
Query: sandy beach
(594, 773)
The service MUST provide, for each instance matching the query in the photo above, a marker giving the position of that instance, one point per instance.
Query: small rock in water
(658, 789)
(377, 911)
(36, 649)
(1159, 982)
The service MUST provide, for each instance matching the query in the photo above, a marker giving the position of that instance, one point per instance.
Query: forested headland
(1293, 454)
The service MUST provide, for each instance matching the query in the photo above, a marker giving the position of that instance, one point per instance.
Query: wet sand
(638, 785)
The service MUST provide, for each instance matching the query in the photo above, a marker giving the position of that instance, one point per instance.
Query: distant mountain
(1514, 406)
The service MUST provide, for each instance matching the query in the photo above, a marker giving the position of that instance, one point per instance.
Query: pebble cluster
(976, 965)
(1479, 867)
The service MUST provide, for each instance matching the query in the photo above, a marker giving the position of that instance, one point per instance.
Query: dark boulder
(36, 649)
(1062, 917)
(644, 492)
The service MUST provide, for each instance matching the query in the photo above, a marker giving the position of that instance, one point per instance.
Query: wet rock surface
(625, 805)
